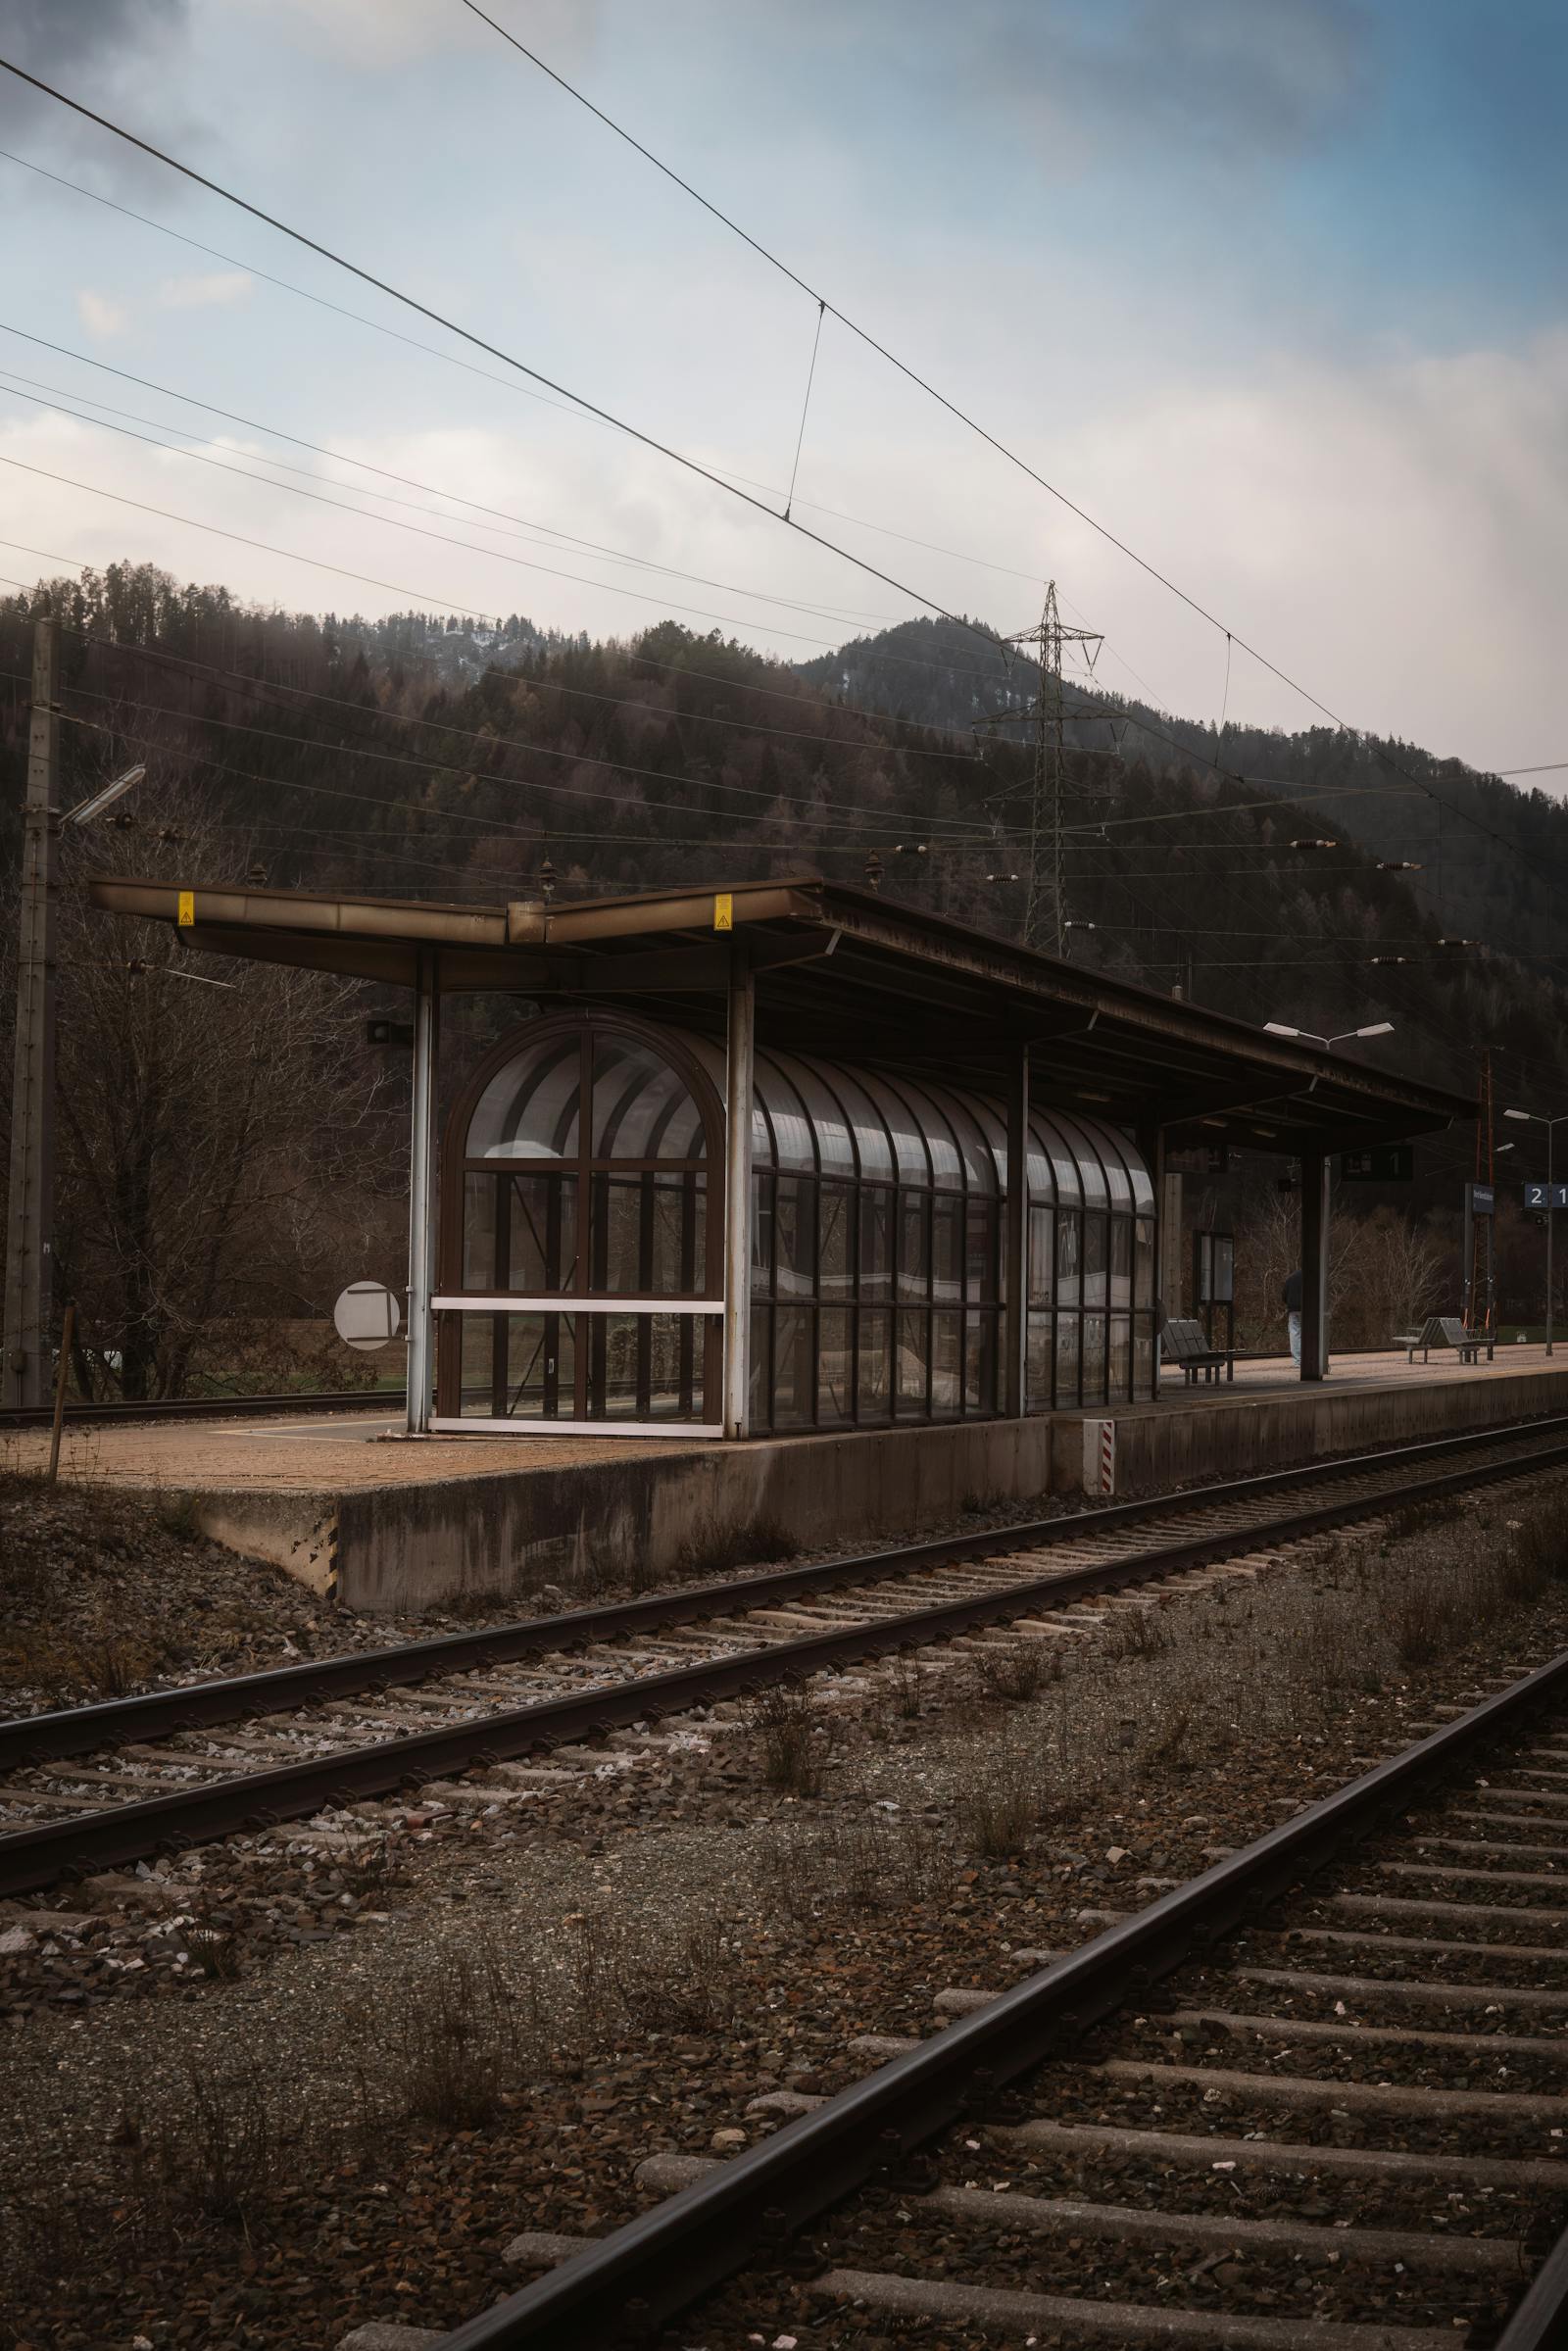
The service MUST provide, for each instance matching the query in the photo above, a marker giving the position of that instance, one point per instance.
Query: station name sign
(1384, 1163)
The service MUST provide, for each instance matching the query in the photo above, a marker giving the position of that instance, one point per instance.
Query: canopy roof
(843, 973)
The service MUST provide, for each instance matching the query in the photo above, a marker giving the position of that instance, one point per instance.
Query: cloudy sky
(1274, 289)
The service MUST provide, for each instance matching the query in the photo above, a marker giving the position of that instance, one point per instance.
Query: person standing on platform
(1293, 1312)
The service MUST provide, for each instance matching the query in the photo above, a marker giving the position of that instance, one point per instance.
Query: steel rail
(621, 2289)
(199, 1705)
(110, 1415)
(39, 1855)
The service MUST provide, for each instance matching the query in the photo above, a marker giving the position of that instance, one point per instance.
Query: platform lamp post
(30, 1218)
(1376, 1028)
(1536, 1119)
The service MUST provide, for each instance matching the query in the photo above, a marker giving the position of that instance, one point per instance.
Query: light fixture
(1378, 1028)
(1278, 1028)
(87, 809)
(1516, 1115)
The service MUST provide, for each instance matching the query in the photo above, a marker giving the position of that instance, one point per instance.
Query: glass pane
(994, 1127)
(479, 1232)
(1113, 1149)
(1143, 1262)
(762, 1233)
(793, 1367)
(477, 1393)
(643, 1108)
(541, 1213)
(1063, 1163)
(945, 1165)
(835, 1396)
(827, 1118)
(761, 1340)
(1069, 1282)
(835, 1265)
(1122, 1342)
(913, 1269)
(793, 1217)
(980, 1362)
(905, 1128)
(1066, 1392)
(615, 1370)
(1142, 1183)
(979, 1167)
(1042, 1175)
(913, 1341)
(529, 1110)
(674, 1344)
(946, 1244)
(1038, 1368)
(1091, 1175)
(1042, 1255)
(792, 1134)
(870, 1130)
(946, 1364)
(1094, 1357)
(876, 1244)
(981, 1226)
(540, 1366)
(1121, 1260)
(1142, 1354)
(621, 1257)
(679, 1235)
(1095, 1246)
(875, 1354)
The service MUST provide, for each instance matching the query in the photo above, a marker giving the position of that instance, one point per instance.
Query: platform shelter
(784, 1157)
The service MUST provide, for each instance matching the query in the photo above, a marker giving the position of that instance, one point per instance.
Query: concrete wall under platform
(1208, 1434)
(593, 1521)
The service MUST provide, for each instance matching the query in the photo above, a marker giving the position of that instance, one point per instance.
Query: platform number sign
(1547, 1196)
(1384, 1163)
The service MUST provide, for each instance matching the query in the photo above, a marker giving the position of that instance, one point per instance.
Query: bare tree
(226, 1155)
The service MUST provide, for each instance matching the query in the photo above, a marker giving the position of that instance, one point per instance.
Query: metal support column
(1015, 1319)
(30, 1225)
(1152, 1149)
(1317, 1168)
(740, 1040)
(421, 1193)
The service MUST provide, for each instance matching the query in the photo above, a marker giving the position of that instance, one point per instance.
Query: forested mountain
(422, 757)
(1494, 858)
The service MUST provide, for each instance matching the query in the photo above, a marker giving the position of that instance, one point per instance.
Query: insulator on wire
(873, 871)
(547, 881)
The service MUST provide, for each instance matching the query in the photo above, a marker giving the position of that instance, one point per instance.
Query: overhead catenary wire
(25, 387)
(494, 351)
(496, 555)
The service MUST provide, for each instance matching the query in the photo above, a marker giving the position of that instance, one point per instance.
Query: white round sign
(367, 1316)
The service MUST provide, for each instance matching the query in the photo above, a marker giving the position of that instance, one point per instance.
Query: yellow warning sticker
(724, 910)
(187, 908)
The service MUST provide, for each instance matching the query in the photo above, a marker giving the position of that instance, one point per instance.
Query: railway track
(191, 1765)
(388, 1400)
(1315, 2099)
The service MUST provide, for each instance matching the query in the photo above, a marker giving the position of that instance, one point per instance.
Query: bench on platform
(1183, 1344)
(1441, 1329)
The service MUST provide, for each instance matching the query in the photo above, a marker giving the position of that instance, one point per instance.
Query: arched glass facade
(582, 1269)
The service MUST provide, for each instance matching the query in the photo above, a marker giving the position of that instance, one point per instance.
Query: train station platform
(357, 1510)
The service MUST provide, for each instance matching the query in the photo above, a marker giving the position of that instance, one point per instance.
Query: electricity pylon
(1049, 716)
